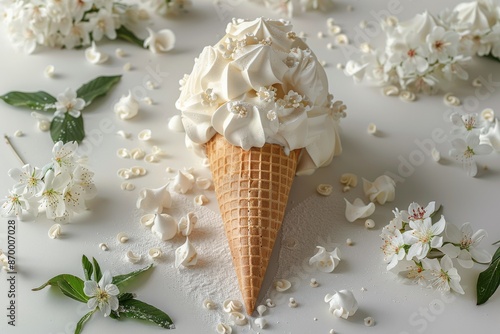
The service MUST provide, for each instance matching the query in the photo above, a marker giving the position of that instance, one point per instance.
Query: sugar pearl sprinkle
(292, 303)
(369, 223)
(119, 53)
(324, 189)
(349, 242)
(369, 321)
(103, 246)
(436, 156)
(127, 67)
(18, 133)
(371, 129)
(49, 71)
(314, 283)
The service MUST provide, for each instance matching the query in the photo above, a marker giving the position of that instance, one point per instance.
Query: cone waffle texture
(252, 189)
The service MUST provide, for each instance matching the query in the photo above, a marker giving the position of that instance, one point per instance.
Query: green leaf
(127, 35)
(52, 282)
(41, 101)
(97, 270)
(72, 287)
(67, 128)
(83, 320)
(489, 280)
(97, 87)
(135, 309)
(87, 268)
(120, 279)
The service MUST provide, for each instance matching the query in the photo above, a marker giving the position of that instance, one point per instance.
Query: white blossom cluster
(428, 51)
(67, 23)
(59, 189)
(474, 134)
(424, 252)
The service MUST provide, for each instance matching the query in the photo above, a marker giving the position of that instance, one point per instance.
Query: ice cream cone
(252, 189)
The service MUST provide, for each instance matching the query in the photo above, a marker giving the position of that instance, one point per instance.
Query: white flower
(103, 294)
(492, 135)
(83, 177)
(67, 102)
(396, 223)
(412, 272)
(29, 179)
(417, 212)
(16, 204)
(343, 304)
(454, 67)
(161, 41)
(423, 236)
(74, 201)
(63, 155)
(463, 245)
(52, 194)
(442, 275)
(442, 44)
(465, 150)
(358, 209)
(382, 190)
(466, 123)
(325, 261)
(393, 248)
(410, 56)
(103, 24)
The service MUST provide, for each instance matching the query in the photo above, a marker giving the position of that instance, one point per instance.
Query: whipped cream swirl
(262, 84)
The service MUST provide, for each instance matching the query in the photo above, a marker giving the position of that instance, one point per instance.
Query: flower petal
(480, 255)
(465, 259)
(90, 288)
(451, 250)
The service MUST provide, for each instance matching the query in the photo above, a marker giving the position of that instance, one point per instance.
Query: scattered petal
(358, 209)
(119, 53)
(488, 114)
(127, 186)
(18, 133)
(183, 182)
(161, 41)
(147, 100)
(477, 82)
(138, 171)
(342, 39)
(349, 179)
(127, 66)
(325, 261)
(382, 190)
(151, 158)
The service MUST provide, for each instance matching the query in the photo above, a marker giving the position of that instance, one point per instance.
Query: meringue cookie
(183, 182)
(358, 209)
(223, 328)
(127, 107)
(238, 318)
(349, 180)
(55, 231)
(155, 253)
(122, 237)
(132, 257)
(164, 226)
(261, 323)
(209, 304)
(261, 309)
(154, 200)
(382, 190)
(343, 304)
(94, 56)
(325, 261)
(200, 200)
(186, 255)
(187, 223)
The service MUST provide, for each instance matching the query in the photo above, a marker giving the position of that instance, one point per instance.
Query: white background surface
(397, 308)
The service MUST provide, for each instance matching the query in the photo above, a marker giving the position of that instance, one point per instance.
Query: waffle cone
(252, 189)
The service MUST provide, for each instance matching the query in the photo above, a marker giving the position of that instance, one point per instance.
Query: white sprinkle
(321, 34)
(119, 53)
(148, 100)
(127, 67)
(200, 200)
(349, 242)
(103, 246)
(324, 189)
(451, 100)
(314, 283)
(123, 153)
(365, 47)
(488, 114)
(408, 96)
(363, 289)
(123, 134)
(49, 71)
(18, 133)
(477, 82)
(127, 186)
(369, 223)
(330, 21)
(340, 66)
(169, 170)
(122, 237)
(390, 90)
(315, 319)
(363, 24)
(55, 231)
(144, 135)
(261, 309)
(372, 129)
(369, 321)
(350, 8)
(330, 46)
(292, 303)
(323, 63)
(342, 39)
(270, 303)
(155, 253)
(209, 304)
(150, 85)
(436, 156)
(334, 30)
(331, 331)
(132, 257)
